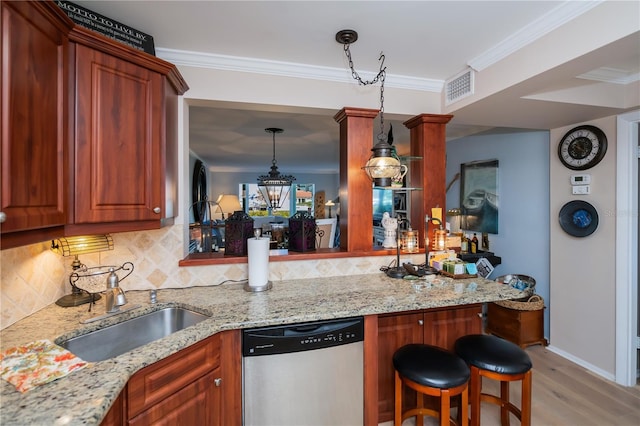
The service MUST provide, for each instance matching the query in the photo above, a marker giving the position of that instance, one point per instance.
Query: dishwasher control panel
(301, 337)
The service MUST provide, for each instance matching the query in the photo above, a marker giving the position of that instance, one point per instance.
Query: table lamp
(74, 246)
(228, 204)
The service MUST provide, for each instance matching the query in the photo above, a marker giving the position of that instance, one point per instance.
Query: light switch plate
(581, 189)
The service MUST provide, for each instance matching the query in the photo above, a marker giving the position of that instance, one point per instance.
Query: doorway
(627, 250)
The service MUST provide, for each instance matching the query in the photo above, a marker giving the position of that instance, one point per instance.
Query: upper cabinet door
(119, 141)
(34, 115)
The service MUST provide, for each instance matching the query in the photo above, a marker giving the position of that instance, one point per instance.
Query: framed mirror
(198, 190)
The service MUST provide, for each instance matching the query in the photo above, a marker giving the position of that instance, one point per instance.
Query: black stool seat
(496, 359)
(430, 366)
(492, 353)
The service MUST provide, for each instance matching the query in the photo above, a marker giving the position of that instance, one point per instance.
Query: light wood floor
(565, 394)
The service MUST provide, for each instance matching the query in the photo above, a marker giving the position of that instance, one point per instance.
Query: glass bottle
(474, 243)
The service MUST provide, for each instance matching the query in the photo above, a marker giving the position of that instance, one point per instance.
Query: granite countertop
(85, 396)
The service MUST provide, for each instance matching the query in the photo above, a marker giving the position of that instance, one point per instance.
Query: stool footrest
(492, 399)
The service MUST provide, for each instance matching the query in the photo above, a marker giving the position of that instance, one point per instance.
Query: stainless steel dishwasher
(304, 374)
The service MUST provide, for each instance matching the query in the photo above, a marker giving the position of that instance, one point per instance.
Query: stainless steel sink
(119, 338)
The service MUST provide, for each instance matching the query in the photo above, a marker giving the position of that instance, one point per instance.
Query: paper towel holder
(257, 232)
(257, 289)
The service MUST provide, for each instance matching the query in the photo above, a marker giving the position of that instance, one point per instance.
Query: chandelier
(384, 164)
(274, 187)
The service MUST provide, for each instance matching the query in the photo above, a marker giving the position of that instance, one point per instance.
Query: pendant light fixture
(384, 164)
(274, 187)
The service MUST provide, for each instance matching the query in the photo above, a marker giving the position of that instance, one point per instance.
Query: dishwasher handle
(317, 328)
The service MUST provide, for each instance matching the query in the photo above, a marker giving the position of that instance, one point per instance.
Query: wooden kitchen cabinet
(115, 415)
(125, 137)
(201, 384)
(34, 114)
(440, 327)
(119, 140)
(89, 130)
(196, 403)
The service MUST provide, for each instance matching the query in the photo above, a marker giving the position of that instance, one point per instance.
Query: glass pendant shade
(383, 165)
(275, 191)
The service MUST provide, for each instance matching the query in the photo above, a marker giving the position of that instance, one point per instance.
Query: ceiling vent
(459, 87)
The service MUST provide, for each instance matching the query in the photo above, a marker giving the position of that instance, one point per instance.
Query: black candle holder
(302, 232)
(237, 229)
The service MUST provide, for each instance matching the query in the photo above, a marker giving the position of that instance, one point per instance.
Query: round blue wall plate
(578, 218)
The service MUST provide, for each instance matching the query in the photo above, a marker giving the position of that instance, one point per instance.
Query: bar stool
(497, 359)
(430, 370)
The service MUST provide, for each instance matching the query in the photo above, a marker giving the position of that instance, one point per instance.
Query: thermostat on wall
(583, 179)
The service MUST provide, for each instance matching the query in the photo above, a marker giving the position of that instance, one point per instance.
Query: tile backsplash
(33, 277)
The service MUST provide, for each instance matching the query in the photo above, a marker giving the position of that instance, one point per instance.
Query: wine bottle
(474, 243)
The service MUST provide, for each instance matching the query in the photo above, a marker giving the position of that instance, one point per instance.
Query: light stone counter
(84, 397)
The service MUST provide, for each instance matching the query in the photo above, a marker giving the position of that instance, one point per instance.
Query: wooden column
(427, 133)
(356, 195)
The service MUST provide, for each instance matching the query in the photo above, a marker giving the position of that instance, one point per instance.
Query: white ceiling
(430, 41)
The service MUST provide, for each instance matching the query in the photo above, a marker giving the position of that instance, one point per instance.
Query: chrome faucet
(114, 295)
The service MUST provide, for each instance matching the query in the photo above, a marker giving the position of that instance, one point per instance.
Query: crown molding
(289, 69)
(553, 19)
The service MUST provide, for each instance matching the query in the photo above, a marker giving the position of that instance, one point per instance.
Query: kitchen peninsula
(85, 396)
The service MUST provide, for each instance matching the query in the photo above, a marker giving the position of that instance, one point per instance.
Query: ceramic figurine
(390, 226)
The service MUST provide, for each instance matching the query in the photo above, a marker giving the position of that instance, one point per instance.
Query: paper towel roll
(258, 249)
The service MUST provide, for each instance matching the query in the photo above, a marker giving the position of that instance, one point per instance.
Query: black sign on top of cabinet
(107, 27)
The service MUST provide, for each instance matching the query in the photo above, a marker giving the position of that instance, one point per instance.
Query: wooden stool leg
(476, 387)
(397, 420)
(463, 420)
(445, 408)
(525, 405)
(419, 405)
(504, 406)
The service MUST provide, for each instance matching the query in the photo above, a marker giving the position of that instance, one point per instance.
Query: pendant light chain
(273, 162)
(384, 165)
(382, 73)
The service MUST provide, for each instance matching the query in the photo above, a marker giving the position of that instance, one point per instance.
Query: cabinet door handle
(156, 210)
(217, 382)
(421, 322)
(3, 217)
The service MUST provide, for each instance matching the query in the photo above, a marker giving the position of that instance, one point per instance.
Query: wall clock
(582, 147)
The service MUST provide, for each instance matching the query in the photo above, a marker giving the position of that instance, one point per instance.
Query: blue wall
(523, 185)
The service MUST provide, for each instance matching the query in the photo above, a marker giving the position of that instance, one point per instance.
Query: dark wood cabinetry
(199, 385)
(119, 143)
(34, 115)
(194, 404)
(89, 130)
(440, 327)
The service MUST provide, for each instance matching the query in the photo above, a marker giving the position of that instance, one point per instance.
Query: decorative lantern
(302, 232)
(410, 241)
(238, 228)
(439, 239)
